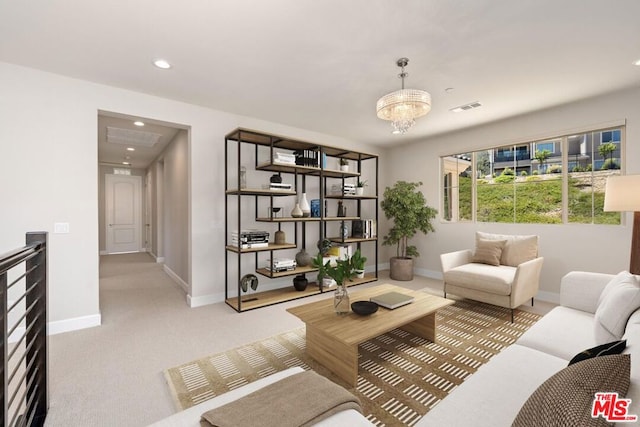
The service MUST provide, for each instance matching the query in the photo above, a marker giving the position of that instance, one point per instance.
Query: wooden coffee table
(333, 339)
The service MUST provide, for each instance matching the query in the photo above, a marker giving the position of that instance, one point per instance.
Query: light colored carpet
(400, 378)
(111, 375)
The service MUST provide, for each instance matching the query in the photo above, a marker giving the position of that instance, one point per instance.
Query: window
(456, 202)
(525, 183)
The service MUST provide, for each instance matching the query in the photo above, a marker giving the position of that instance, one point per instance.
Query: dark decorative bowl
(364, 308)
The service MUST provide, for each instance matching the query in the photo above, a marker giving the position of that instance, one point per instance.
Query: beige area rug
(400, 378)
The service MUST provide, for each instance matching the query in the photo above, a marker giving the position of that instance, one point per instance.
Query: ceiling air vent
(466, 107)
(132, 137)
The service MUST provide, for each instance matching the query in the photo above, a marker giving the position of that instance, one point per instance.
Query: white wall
(176, 206)
(49, 162)
(565, 247)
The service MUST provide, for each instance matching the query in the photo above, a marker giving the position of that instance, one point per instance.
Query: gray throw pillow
(566, 398)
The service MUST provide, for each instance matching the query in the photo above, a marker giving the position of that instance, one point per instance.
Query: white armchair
(508, 282)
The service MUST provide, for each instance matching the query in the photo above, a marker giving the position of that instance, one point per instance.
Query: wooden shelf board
(349, 197)
(340, 218)
(352, 239)
(278, 141)
(271, 247)
(263, 299)
(287, 219)
(260, 192)
(305, 170)
(298, 270)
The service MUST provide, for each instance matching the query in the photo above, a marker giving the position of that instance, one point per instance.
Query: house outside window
(557, 180)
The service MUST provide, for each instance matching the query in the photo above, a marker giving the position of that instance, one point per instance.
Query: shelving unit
(242, 208)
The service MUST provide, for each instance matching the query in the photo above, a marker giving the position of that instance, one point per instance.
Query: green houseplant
(358, 261)
(342, 271)
(408, 209)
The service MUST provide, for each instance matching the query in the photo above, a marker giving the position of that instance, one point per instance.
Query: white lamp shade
(622, 194)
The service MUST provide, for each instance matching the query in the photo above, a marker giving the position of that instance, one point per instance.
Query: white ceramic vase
(304, 206)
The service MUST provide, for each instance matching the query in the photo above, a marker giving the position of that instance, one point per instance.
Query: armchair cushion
(488, 251)
(517, 249)
(482, 277)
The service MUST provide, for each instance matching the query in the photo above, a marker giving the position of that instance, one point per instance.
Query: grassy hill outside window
(525, 182)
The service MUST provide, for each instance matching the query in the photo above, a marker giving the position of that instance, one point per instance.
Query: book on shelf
(281, 262)
(284, 158)
(252, 245)
(342, 252)
(392, 300)
(249, 236)
(308, 157)
(344, 190)
(364, 228)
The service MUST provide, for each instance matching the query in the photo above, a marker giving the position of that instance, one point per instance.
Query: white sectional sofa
(494, 395)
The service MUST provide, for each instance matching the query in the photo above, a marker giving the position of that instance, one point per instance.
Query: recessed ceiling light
(161, 63)
(138, 123)
(637, 62)
(126, 163)
(131, 149)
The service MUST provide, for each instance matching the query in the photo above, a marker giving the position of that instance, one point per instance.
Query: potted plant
(340, 271)
(358, 261)
(410, 213)
(344, 164)
(360, 187)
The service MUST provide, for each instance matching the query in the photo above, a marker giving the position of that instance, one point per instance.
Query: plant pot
(359, 191)
(300, 282)
(344, 168)
(360, 274)
(401, 268)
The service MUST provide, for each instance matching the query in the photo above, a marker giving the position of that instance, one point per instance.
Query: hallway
(111, 375)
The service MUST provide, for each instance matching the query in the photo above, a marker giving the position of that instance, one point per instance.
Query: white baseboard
(553, 297)
(184, 285)
(194, 302)
(104, 253)
(431, 274)
(74, 324)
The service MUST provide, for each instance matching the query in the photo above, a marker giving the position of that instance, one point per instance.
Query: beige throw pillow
(488, 251)
(518, 249)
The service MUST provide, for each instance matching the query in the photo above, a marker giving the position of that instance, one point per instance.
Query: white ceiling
(322, 64)
(114, 154)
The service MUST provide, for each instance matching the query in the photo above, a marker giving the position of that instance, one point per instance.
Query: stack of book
(284, 158)
(307, 158)
(279, 265)
(364, 228)
(279, 186)
(345, 190)
(250, 239)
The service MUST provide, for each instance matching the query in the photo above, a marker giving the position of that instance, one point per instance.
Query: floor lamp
(622, 194)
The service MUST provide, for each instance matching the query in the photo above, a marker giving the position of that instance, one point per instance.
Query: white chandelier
(403, 106)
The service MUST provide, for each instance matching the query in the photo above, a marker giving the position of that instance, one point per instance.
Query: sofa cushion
(619, 299)
(566, 398)
(517, 249)
(483, 277)
(488, 251)
(563, 332)
(615, 347)
(496, 392)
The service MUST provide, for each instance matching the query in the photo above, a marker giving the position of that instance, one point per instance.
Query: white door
(123, 216)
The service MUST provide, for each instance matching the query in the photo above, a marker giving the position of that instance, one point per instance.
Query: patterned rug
(400, 377)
